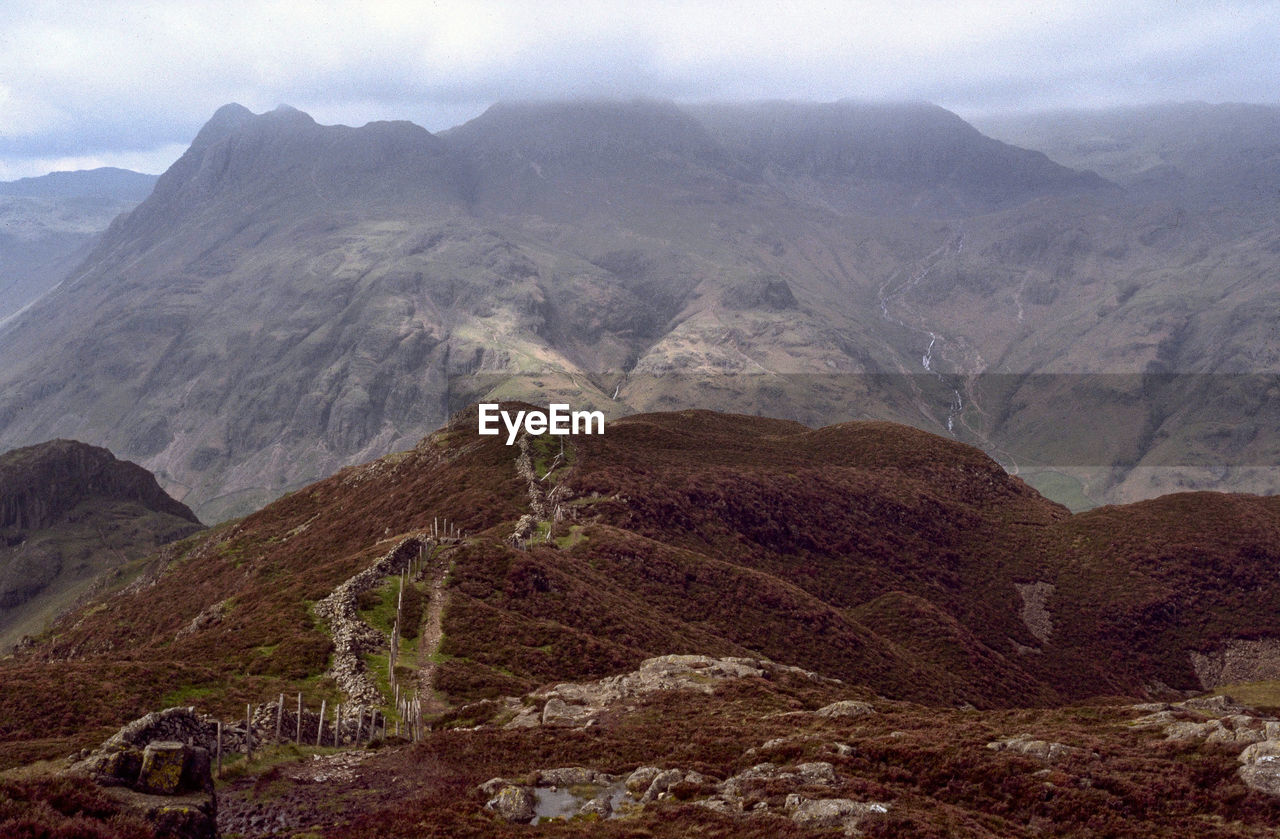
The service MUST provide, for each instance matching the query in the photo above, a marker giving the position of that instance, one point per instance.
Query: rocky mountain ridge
(321, 295)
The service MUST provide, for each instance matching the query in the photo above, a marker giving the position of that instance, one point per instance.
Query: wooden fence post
(279, 715)
(219, 749)
(299, 737)
(248, 730)
(320, 722)
(337, 725)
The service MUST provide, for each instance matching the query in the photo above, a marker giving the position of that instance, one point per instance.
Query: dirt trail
(431, 633)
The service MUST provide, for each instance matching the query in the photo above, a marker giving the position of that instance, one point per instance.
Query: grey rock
(1261, 767)
(1040, 749)
(846, 708)
(662, 782)
(571, 776)
(818, 772)
(599, 806)
(834, 812)
(514, 804)
(559, 714)
(639, 780)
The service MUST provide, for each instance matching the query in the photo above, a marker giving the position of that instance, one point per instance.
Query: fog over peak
(128, 84)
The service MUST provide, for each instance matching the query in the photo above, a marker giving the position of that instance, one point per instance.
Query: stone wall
(352, 637)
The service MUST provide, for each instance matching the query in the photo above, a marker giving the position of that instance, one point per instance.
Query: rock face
(41, 484)
(68, 512)
(391, 249)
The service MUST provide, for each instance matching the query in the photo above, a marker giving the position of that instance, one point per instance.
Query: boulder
(1039, 749)
(162, 767)
(1261, 767)
(599, 806)
(639, 780)
(559, 714)
(818, 772)
(833, 812)
(846, 708)
(514, 804)
(662, 782)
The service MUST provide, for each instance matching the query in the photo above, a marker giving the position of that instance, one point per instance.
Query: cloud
(101, 80)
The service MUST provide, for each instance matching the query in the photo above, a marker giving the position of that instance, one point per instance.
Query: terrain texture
(292, 297)
(707, 623)
(69, 513)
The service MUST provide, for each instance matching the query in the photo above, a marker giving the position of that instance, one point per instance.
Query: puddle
(566, 802)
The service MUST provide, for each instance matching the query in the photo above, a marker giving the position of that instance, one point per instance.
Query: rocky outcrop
(1212, 719)
(846, 708)
(1223, 721)
(40, 484)
(575, 705)
(1237, 661)
(70, 512)
(1046, 750)
(796, 790)
(1260, 767)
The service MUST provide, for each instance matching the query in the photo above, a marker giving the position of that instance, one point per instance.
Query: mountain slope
(874, 553)
(69, 513)
(319, 295)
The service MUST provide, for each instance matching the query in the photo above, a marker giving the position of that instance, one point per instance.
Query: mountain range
(48, 226)
(294, 297)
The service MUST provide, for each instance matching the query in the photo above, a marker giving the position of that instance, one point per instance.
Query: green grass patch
(1059, 487)
(188, 695)
(1265, 696)
(573, 537)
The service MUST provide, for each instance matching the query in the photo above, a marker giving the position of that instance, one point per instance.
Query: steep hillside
(789, 626)
(321, 295)
(873, 553)
(69, 513)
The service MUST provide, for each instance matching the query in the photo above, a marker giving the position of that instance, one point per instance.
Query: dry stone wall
(352, 637)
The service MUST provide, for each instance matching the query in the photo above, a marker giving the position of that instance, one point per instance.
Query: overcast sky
(94, 83)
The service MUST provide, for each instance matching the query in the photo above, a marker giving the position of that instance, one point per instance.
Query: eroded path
(435, 572)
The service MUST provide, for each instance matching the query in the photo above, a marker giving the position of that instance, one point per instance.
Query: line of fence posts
(408, 708)
(363, 734)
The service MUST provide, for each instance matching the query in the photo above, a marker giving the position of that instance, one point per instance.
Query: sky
(96, 82)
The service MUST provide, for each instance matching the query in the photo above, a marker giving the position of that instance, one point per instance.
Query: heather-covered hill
(873, 553)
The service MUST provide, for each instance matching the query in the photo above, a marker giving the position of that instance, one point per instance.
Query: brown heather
(875, 554)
